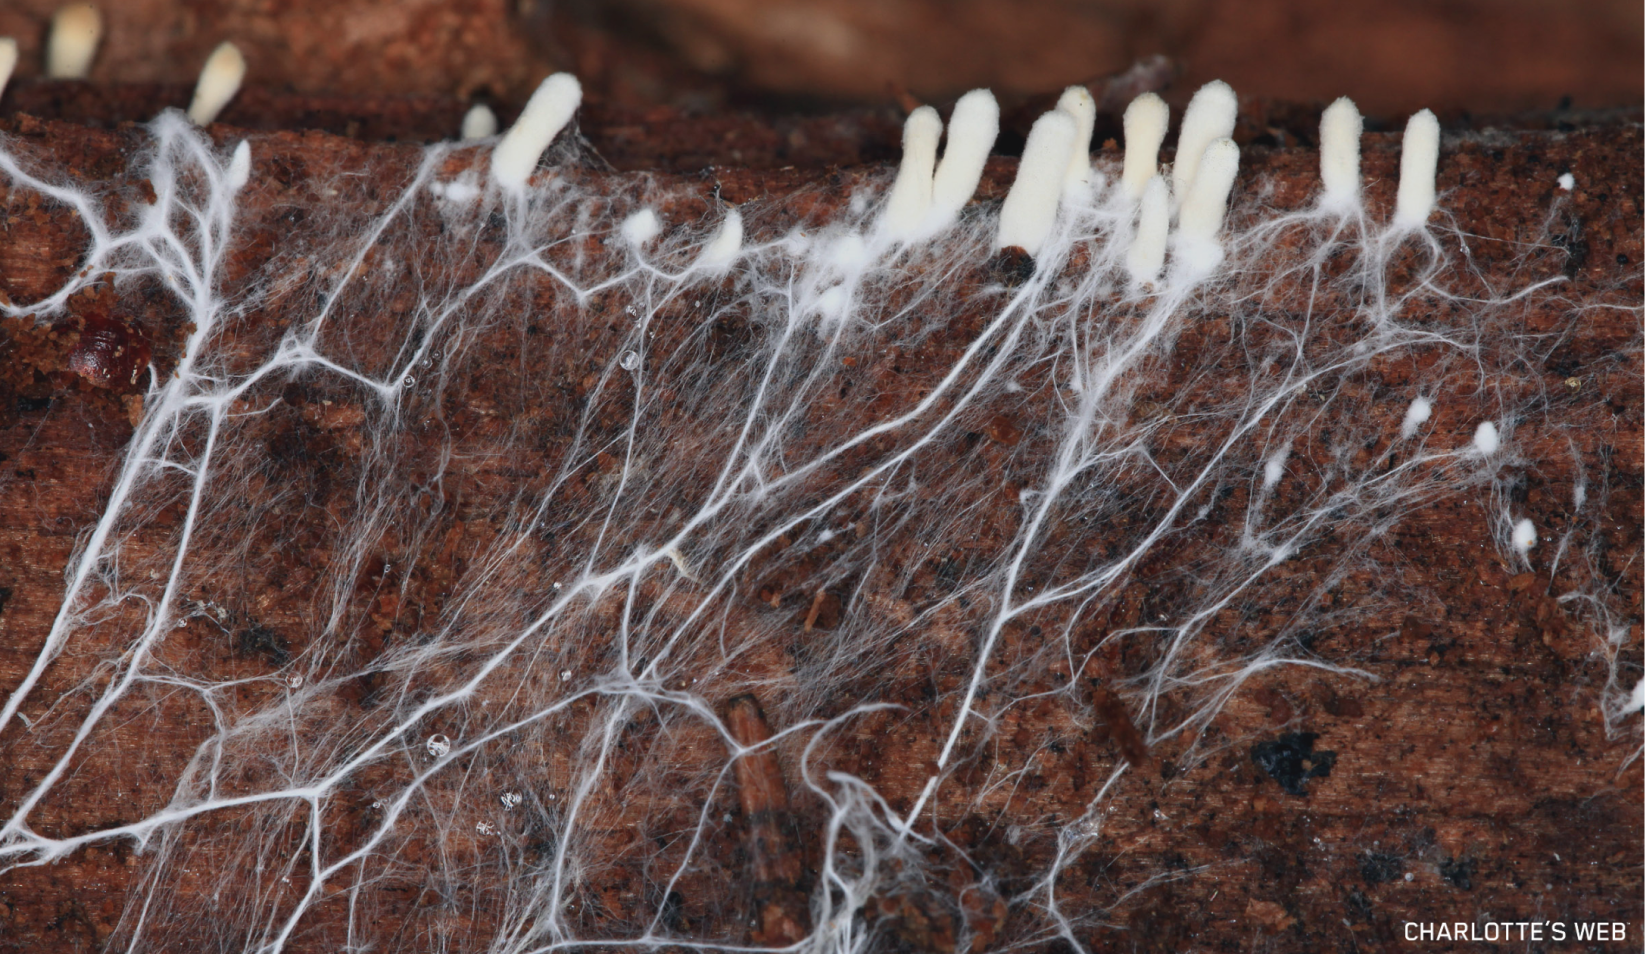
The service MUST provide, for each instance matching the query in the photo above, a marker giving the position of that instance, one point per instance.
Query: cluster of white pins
(71, 46)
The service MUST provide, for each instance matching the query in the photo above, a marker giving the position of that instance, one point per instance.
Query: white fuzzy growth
(1275, 468)
(479, 122)
(1032, 204)
(1486, 439)
(219, 81)
(1638, 696)
(75, 30)
(240, 167)
(1417, 413)
(1209, 117)
(8, 61)
(723, 247)
(1524, 536)
(1148, 251)
(1077, 102)
(1420, 148)
(1566, 181)
(546, 114)
(1341, 156)
(910, 200)
(641, 227)
(973, 127)
(1144, 127)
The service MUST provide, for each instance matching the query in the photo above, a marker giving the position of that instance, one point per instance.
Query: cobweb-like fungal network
(500, 498)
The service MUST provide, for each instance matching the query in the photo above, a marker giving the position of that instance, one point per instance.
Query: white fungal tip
(973, 127)
(1417, 413)
(641, 227)
(910, 200)
(1638, 696)
(1486, 438)
(1144, 126)
(1565, 180)
(1341, 156)
(219, 81)
(1148, 251)
(1201, 216)
(546, 114)
(75, 30)
(1274, 469)
(1032, 203)
(1077, 102)
(1420, 147)
(479, 122)
(723, 247)
(240, 167)
(1209, 116)
(8, 61)
(1524, 536)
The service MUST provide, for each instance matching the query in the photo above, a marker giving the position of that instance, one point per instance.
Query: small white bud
(723, 247)
(1420, 147)
(1144, 126)
(219, 81)
(1077, 102)
(973, 127)
(641, 227)
(1524, 536)
(546, 114)
(1486, 438)
(240, 167)
(1341, 156)
(1149, 244)
(1210, 116)
(479, 122)
(75, 30)
(1032, 203)
(1417, 413)
(910, 199)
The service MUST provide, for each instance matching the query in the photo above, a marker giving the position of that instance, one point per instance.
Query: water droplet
(486, 828)
(438, 745)
(295, 680)
(408, 381)
(510, 800)
(630, 361)
(565, 674)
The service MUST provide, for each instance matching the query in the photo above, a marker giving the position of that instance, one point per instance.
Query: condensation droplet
(486, 828)
(510, 800)
(408, 381)
(565, 674)
(438, 745)
(630, 361)
(295, 680)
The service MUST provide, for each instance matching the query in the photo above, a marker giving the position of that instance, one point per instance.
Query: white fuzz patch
(1486, 439)
(1566, 181)
(1524, 536)
(641, 227)
(1417, 413)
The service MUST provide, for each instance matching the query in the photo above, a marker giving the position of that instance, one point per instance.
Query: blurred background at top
(1485, 56)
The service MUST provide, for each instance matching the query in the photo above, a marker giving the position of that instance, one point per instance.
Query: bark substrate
(1473, 778)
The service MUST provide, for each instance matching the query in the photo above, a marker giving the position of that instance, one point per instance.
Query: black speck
(27, 404)
(5, 597)
(1622, 259)
(1285, 760)
(1457, 871)
(261, 641)
(1377, 868)
(1358, 907)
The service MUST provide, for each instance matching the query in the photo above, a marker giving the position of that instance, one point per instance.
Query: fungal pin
(1143, 127)
(1417, 413)
(479, 122)
(1149, 244)
(240, 167)
(75, 30)
(910, 200)
(1077, 102)
(723, 247)
(1524, 536)
(1210, 116)
(1420, 147)
(219, 81)
(1486, 439)
(1341, 156)
(1032, 203)
(546, 114)
(8, 61)
(641, 227)
(1202, 214)
(973, 127)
